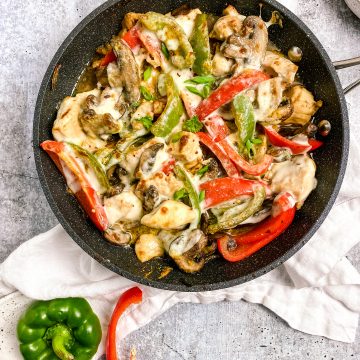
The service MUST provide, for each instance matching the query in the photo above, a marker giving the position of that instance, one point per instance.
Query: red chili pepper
(222, 157)
(129, 297)
(252, 241)
(315, 144)
(108, 58)
(86, 195)
(220, 190)
(276, 139)
(251, 169)
(228, 91)
(217, 128)
(132, 37)
(168, 167)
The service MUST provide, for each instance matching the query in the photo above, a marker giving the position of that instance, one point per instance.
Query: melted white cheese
(123, 207)
(296, 176)
(187, 22)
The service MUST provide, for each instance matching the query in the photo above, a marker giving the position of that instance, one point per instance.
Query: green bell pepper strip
(94, 163)
(170, 32)
(174, 109)
(63, 329)
(243, 112)
(193, 195)
(199, 41)
(251, 209)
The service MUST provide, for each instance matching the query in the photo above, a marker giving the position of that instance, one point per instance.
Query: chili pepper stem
(61, 337)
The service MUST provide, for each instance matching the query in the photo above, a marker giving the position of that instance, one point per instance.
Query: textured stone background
(30, 33)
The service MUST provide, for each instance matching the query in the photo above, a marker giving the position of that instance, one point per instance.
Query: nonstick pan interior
(318, 75)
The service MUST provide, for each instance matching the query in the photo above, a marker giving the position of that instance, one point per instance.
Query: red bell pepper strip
(86, 195)
(276, 139)
(227, 164)
(217, 128)
(229, 90)
(315, 144)
(168, 167)
(221, 190)
(129, 297)
(132, 38)
(108, 58)
(252, 241)
(241, 163)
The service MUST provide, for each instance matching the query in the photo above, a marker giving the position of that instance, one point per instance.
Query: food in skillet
(189, 134)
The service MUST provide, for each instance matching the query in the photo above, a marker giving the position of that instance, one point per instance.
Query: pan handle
(342, 64)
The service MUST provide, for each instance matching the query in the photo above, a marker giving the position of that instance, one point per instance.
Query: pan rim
(156, 283)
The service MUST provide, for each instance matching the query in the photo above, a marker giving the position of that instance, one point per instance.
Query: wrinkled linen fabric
(317, 291)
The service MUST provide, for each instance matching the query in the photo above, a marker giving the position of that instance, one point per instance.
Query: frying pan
(319, 76)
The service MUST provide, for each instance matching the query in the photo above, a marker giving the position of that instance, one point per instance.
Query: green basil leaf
(180, 194)
(146, 93)
(201, 80)
(195, 91)
(146, 121)
(193, 125)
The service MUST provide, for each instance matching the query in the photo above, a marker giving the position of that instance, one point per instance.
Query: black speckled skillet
(320, 77)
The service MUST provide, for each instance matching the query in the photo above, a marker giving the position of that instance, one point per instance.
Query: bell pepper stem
(60, 337)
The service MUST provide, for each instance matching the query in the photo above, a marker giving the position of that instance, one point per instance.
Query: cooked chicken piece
(248, 46)
(148, 246)
(187, 21)
(170, 215)
(221, 65)
(130, 75)
(296, 175)
(268, 98)
(187, 149)
(146, 108)
(67, 126)
(165, 185)
(303, 104)
(229, 24)
(123, 207)
(281, 66)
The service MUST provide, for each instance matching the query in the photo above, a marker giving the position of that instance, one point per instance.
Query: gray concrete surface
(30, 33)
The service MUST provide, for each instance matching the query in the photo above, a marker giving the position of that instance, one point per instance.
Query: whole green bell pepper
(174, 37)
(199, 41)
(173, 111)
(63, 329)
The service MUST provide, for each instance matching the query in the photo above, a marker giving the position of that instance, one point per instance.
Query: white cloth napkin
(317, 291)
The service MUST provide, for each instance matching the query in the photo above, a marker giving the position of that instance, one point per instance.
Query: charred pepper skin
(63, 329)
